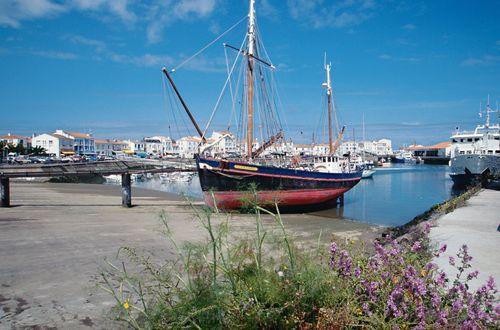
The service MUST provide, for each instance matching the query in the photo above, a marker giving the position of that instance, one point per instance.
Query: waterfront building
(175, 149)
(224, 142)
(108, 147)
(321, 149)
(349, 147)
(303, 150)
(134, 146)
(83, 143)
(158, 145)
(54, 144)
(14, 140)
(382, 147)
(435, 154)
(188, 146)
(283, 148)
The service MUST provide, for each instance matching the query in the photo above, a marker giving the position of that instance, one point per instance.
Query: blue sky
(415, 69)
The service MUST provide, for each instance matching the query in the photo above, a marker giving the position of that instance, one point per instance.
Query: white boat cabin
(331, 164)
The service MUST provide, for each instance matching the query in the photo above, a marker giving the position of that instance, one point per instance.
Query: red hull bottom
(230, 200)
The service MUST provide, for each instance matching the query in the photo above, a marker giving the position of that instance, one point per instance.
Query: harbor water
(394, 196)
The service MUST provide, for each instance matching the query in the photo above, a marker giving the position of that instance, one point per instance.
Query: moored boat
(247, 180)
(236, 184)
(475, 156)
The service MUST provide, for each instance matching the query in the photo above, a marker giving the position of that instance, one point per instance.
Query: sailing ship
(232, 183)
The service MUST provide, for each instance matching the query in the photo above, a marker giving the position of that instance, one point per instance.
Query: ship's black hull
(233, 185)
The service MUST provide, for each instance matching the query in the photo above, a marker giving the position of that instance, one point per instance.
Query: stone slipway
(474, 224)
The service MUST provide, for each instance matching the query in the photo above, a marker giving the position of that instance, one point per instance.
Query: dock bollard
(126, 190)
(4, 192)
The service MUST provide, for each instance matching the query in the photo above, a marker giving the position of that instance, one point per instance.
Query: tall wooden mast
(328, 86)
(250, 78)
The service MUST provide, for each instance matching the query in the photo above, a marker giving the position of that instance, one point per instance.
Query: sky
(414, 70)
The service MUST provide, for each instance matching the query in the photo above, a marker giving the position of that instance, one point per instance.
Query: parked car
(22, 160)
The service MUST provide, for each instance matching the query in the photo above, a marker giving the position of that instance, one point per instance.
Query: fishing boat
(232, 183)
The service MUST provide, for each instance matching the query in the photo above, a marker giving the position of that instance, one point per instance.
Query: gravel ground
(56, 237)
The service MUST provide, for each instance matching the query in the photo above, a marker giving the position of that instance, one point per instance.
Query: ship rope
(209, 44)
(228, 79)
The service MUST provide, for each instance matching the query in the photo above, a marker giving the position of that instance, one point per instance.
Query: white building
(134, 146)
(349, 147)
(108, 147)
(188, 146)
(54, 144)
(380, 148)
(303, 149)
(158, 145)
(223, 142)
(83, 143)
(321, 149)
(16, 139)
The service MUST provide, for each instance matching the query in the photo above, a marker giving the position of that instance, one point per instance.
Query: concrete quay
(55, 238)
(475, 225)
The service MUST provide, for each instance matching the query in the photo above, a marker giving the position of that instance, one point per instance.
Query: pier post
(126, 190)
(341, 200)
(4, 192)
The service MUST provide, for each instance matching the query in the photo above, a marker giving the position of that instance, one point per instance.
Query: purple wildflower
(333, 252)
(442, 317)
(344, 263)
(472, 275)
(491, 283)
(457, 305)
(416, 246)
(441, 279)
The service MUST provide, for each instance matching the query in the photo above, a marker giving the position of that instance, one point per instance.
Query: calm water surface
(394, 195)
(397, 194)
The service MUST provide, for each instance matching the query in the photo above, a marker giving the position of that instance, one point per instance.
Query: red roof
(11, 137)
(78, 135)
(441, 145)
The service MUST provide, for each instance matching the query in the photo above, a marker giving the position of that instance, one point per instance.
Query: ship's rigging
(250, 89)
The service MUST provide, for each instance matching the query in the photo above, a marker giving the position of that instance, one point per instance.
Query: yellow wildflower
(423, 273)
(126, 305)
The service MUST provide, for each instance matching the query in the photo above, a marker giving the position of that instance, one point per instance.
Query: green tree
(36, 150)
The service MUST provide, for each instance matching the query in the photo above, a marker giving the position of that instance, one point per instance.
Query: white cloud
(141, 60)
(155, 15)
(266, 9)
(409, 27)
(102, 51)
(199, 8)
(388, 57)
(485, 60)
(164, 13)
(55, 54)
(13, 12)
(341, 14)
